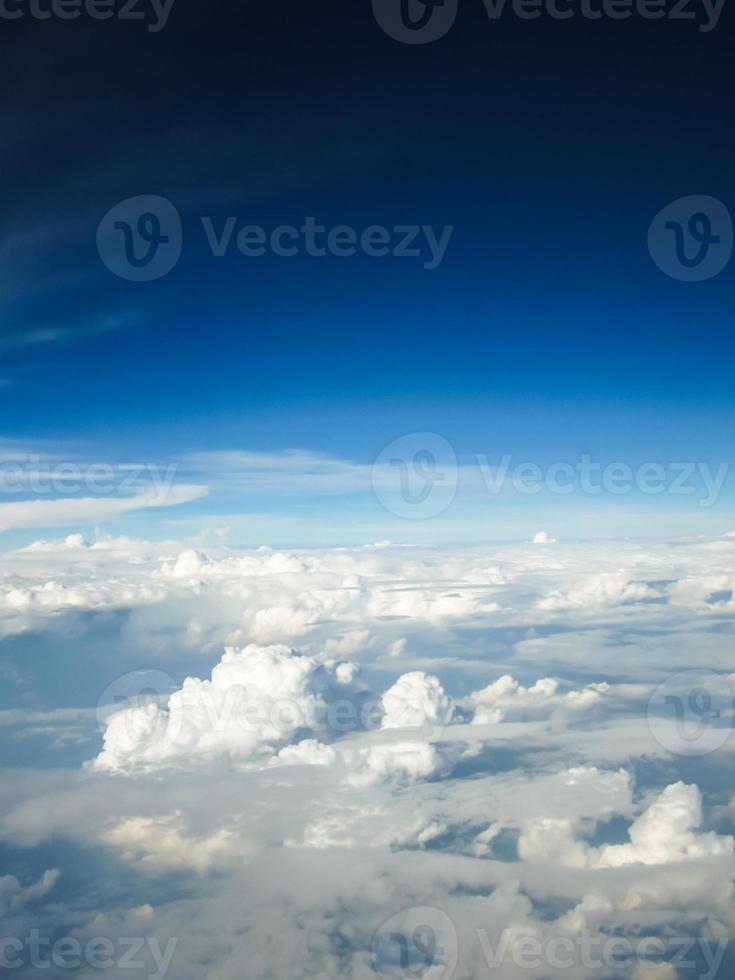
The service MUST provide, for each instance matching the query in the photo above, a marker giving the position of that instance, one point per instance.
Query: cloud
(261, 701)
(665, 833)
(162, 844)
(416, 700)
(57, 333)
(543, 538)
(257, 700)
(14, 898)
(595, 592)
(89, 510)
(491, 759)
(506, 698)
(291, 473)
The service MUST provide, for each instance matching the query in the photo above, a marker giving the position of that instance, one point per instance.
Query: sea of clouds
(385, 761)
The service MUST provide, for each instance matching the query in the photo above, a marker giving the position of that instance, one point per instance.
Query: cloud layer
(304, 755)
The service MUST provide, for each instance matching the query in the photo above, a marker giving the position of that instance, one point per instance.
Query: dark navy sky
(548, 145)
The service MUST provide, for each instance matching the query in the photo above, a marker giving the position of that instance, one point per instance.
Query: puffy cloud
(257, 700)
(506, 698)
(416, 700)
(261, 699)
(188, 564)
(407, 760)
(665, 833)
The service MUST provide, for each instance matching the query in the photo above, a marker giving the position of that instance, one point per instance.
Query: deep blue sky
(549, 146)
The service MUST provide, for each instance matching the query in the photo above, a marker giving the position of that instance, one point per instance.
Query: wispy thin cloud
(52, 334)
(82, 511)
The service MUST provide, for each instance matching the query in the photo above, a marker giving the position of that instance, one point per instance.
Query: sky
(546, 330)
(367, 497)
